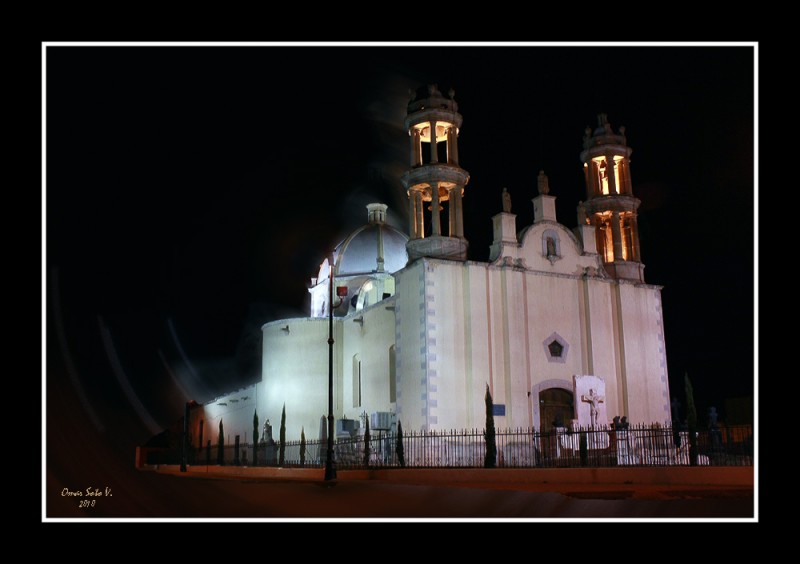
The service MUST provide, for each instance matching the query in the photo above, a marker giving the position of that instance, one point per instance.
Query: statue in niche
(551, 247)
(506, 201)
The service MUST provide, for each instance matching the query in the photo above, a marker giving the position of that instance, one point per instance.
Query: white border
(756, 465)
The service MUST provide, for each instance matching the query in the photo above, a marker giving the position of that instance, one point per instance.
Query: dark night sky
(191, 192)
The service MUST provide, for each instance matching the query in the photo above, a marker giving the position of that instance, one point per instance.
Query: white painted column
(612, 178)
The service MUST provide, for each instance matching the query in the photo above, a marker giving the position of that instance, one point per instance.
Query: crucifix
(594, 400)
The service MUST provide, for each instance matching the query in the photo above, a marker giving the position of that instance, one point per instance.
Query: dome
(359, 252)
(364, 266)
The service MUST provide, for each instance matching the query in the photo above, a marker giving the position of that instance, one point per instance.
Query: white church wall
(445, 349)
(502, 340)
(478, 366)
(515, 348)
(366, 343)
(295, 372)
(508, 334)
(603, 354)
(645, 358)
(410, 338)
(472, 350)
(496, 327)
(554, 315)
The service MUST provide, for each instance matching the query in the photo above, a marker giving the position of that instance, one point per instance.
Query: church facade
(559, 323)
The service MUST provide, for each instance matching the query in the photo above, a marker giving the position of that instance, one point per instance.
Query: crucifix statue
(594, 400)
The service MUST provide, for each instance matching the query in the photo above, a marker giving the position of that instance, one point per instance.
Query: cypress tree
(366, 443)
(401, 455)
(221, 446)
(491, 447)
(302, 446)
(282, 451)
(255, 437)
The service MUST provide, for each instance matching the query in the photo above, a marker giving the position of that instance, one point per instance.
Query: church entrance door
(556, 406)
(556, 410)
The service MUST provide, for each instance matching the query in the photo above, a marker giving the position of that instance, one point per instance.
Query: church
(559, 323)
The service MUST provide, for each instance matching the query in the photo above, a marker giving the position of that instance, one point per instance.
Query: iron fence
(635, 445)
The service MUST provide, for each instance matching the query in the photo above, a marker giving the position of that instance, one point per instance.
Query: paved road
(153, 495)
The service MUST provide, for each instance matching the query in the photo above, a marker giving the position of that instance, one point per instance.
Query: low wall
(741, 476)
(660, 475)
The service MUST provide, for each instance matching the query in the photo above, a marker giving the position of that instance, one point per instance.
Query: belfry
(610, 205)
(434, 177)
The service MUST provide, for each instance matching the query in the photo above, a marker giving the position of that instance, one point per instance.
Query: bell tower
(610, 205)
(434, 177)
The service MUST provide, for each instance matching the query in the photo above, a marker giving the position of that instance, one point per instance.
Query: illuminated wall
(609, 329)
(295, 373)
(369, 334)
(295, 368)
(235, 409)
(646, 380)
(464, 325)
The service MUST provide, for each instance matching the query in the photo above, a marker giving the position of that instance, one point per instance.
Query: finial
(412, 94)
(543, 183)
(582, 217)
(451, 93)
(433, 89)
(506, 201)
(602, 119)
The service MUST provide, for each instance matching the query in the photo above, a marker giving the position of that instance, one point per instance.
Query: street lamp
(330, 470)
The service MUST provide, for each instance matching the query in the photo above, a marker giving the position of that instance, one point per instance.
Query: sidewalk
(581, 483)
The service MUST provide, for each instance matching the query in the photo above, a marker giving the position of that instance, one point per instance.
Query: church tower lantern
(610, 205)
(434, 177)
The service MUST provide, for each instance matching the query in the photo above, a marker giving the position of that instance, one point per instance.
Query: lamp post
(330, 470)
(185, 442)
